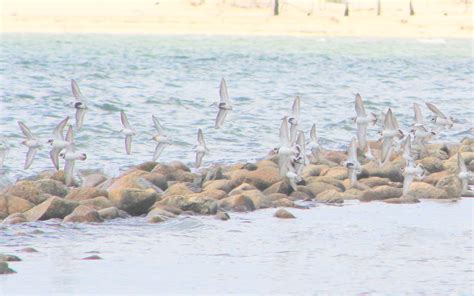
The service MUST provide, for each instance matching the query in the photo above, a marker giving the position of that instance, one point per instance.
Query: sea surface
(370, 248)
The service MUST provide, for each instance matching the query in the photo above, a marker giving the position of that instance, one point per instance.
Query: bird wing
(221, 115)
(407, 180)
(352, 153)
(435, 110)
(124, 119)
(284, 137)
(199, 157)
(69, 172)
(388, 121)
(224, 96)
(362, 136)
(76, 92)
(418, 115)
(80, 113)
(30, 156)
(200, 138)
(159, 148)
(461, 163)
(283, 164)
(59, 130)
(296, 108)
(293, 133)
(70, 139)
(128, 144)
(394, 122)
(158, 126)
(312, 133)
(359, 106)
(3, 153)
(54, 154)
(386, 149)
(301, 142)
(25, 130)
(352, 176)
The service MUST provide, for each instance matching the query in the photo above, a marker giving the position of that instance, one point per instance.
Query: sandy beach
(432, 19)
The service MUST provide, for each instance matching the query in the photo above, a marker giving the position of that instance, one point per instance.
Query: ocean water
(370, 248)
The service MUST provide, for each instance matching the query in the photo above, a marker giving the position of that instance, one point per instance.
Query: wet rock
(161, 213)
(261, 178)
(339, 173)
(146, 166)
(391, 170)
(133, 201)
(253, 166)
(224, 185)
(298, 195)
(222, 216)
(52, 187)
(237, 203)
(376, 181)
(10, 204)
(276, 196)
(401, 200)
(326, 179)
(283, 202)
(93, 180)
(214, 173)
(92, 257)
(98, 203)
(174, 172)
(334, 156)
(4, 269)
(134, 179)
(83, 214)
(156, 219)
(352, 193)
(452, 185)
(434, 178)
(82, 193)
(182, 189)
(169, 208)
(279, 187)
(9, 258)
(419, 190)
(283, 214)
(157, 179)
(319, 187)
(27, 190)
(330, 196)
(195, 203)
(29, 250)
(306, 190)
(432, 164)
(178, 165)
(112, 213)
(313, 170)
(53, 207)
(241, 188)
(380, 193)
(260, 200)
(15, 218)
(214, 193)
(357, 185)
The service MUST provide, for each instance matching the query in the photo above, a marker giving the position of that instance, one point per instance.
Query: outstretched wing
(296, 108)
(59, 130)
(224, 96)
(313, 134)
(284, 137)
(128, 144)
(158, 126)
(55, 157)
(359, 106)
(200, 138)
(388, 120)
(352, 153)
(76, 92)
(435, 110)
(25, 130)
(30, 156)
(124, 119)
(418, 116)
(159, 148)
(221, 115)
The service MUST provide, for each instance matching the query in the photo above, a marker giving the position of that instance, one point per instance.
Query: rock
(29, 250)
(326, 179)
(352, 193)
(431, 164)
(112, 213)
(178, 165)
(182, 189)
(261, 164)
(214, 173)
(330, 196)
(318, 187)
(259, 200)
(93, 180)
(241, 188)
(339, 173)
(376, 181)
(298, 195)
(133, 201)
(157, 179)
(434, 178)
(92, 257)
(279, 187)
(83, 214)
(452, 185)
(222, 216)
(15, 218)
(391, 170)
(4, 269)
(224, 185)
(283, 214)
(237, 203)
(53, 207)
(214, 193)
(156, 219)
(52, 187)
(98, 203)
(436, 153)
(380, 193)
(174, 172)
(334, 156)
(27, 190)
(313, 170)
(169, 208)
(10, 204)
(401, 200)
(134, 179)
(261, 178)
(276, 196)
(357, 185)
(161, 213)
(419, 190)
(9, 258)
(82, 193)
(283, 202)
(195, 203)
(146, 166)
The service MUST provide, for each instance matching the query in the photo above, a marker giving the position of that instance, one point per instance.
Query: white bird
(70, 156)
(201, 149)
(224, 104)
(389, 132)
(31, 142)
(362, 120)
(285, 152)
(440, 119)
(352, 164)
(3, 151)
(421, 135)
(370, 156)
(409, 173)
(464, 175)
(128, 131)
(293, 120)
(58, 143)
(79, 104)
(407, 150)
(313, 144)
(161, 138)
(294, 179)
(418, 117)
(300, 160)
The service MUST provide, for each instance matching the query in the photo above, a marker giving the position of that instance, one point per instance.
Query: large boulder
(401, 200)
(174, 172)
(283, 202)
(83, 214)
(334, 156)
(432, 164)
(157, 179)
(283, 214)
(313, 170)
(377, 181)
(419, 190)
(53, 207)
(241, 188)
(133, 201)
(237, 203)
(434, 178)
(214, 193)
(261, 178)
(327, 179)
(134, 179)
(159, 215)
(380, 193)
(82, 193)
(279, 187)
(330, 196)
(27, 190)
(52, 187)
(318, 187)
(112, 213)
(182, 189)
(10, 204)
(146, 166)
(452, 185)
(193, 202)
(98, 203)
(222, 184)
(391, 170)
(4, 269)
(93, 180)
(259, 199)
(15, 218)
(339, 173)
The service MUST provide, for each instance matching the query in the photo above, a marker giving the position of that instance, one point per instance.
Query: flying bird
(313, 144)
(58, 143)
(293, 120)
(285, 152)
(79, 104)
(161, 139)
(410, 172)
(390, 131)
(70, 156)
(3, 151)
(352, 164)
(128, 131)
(31, 142)
(440, 119)
(201, 149)
(362, 120)
(224, 104)
(463, 174)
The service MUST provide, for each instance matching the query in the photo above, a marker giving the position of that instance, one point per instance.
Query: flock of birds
(292, 152)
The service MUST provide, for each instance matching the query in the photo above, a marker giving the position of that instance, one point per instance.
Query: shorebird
(421, 135)
(293, 178)
(409, 173)
(224, 104)
(464, 175)
(300, 160)
(58, 143)
(161, 138)
(79, 104)
(201, 149)
(293, 120)
(70, 156)
(286, 151)
(390, 131)
(362, 120)
(3, 151)
(128, 131)
(313, 144)
(31, 142)
(352, 164)
(407, 151)
(440, 119)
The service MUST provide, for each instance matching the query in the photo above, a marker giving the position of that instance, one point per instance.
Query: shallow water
(373, 248)
(176, 78)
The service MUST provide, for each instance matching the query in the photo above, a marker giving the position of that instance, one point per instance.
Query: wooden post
(412, 11)
(276, 8)
(346, 12)
(379, 7)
